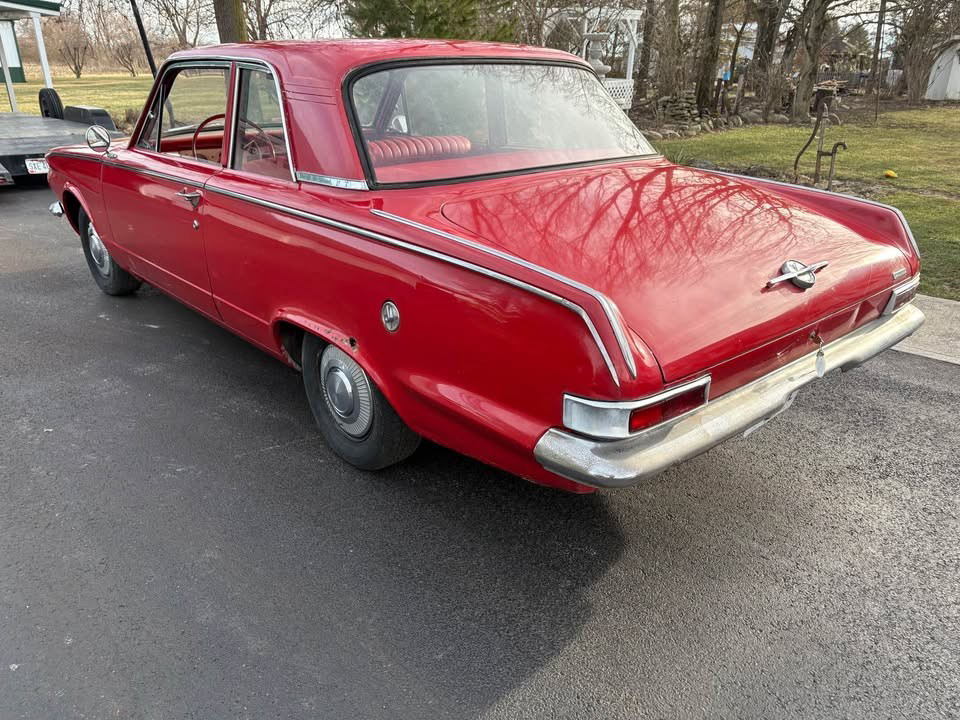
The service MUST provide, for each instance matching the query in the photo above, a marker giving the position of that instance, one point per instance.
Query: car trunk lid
(686, 255)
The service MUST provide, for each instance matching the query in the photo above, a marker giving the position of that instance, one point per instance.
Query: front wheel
(354, 417)
(110, 277)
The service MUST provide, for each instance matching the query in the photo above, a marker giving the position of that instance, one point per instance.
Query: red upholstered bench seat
(403, 148)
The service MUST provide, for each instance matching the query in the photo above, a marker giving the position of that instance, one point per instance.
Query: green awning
(16, 9)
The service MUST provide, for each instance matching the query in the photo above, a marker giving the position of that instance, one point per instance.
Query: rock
(761, 171)
(751, 117)
(779, 119)
(670, 134)
(692, 131)
(736, 121)
(653, 135)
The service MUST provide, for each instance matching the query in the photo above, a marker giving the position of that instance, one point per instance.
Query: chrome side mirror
(98, 139)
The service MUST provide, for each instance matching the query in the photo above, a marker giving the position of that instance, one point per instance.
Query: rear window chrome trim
(331, 181)
(379, 65)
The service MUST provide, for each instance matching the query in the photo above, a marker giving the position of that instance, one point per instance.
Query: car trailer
(25, 139)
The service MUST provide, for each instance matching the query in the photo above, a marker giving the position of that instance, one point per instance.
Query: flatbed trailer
(25, 139)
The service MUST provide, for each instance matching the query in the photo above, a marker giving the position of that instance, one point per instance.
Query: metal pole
(6, 74)
(878, 60)
(143, 37)
(41, 50)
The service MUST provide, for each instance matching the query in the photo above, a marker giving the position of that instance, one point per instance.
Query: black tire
(110, 277)
(381, 440)
(50, 104)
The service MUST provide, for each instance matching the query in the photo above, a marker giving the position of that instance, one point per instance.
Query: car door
(153, 189)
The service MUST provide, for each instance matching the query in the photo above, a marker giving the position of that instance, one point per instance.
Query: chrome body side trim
(898, 292)
(618, 463)
(331, 181)
(903, 220)
(611, 419)
(608, 306)
(480, 270)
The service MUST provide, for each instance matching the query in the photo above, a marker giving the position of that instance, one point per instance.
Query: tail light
(901, 295)
(620, 419)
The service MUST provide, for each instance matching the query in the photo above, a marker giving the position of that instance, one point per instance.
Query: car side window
(187, 115)
(259, 139)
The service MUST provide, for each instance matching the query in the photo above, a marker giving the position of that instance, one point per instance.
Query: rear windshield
(427, 123)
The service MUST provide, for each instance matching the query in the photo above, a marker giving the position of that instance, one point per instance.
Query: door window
(259, 144)
(187, 117)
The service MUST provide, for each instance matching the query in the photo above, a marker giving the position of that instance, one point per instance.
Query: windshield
(426, 123)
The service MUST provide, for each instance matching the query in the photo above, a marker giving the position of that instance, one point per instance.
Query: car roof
(326, 62)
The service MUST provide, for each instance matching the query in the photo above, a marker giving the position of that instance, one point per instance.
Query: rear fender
(869, 218)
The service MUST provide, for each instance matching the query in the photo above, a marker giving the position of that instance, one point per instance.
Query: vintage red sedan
(471, 243)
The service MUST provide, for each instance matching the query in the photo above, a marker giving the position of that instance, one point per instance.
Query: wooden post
(6, 76)
(41, 50)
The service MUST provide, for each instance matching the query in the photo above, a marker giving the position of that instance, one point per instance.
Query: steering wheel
(196, 133)
(254, 143)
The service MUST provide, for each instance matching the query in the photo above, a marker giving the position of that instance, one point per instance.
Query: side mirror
(98, 139)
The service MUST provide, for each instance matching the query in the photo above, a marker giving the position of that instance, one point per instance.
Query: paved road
(175, 542)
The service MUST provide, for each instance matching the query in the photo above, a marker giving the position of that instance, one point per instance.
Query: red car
(471, 243)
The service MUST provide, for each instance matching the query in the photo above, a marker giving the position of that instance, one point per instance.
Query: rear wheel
(110, 277)
(354, 417)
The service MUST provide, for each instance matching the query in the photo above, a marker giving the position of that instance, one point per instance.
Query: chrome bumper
(618, 463)
(56, 209)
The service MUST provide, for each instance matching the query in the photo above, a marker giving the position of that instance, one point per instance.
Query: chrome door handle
(193, 197)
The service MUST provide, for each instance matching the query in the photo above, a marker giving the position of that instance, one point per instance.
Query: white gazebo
(595, 26)
(11, 10)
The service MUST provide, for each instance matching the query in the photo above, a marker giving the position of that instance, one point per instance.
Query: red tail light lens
(673, 407)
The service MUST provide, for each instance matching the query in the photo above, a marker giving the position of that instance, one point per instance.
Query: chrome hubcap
(346, 391)
(98, 251)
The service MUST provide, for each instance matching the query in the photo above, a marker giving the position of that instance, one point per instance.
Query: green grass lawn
(114, 93)
(921, 146)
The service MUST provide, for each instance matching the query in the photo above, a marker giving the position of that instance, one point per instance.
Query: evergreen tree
(454, 19)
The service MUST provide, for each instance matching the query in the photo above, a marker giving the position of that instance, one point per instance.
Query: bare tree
(646, 46)
(709, 53)
(669, 72)
(182, 19)
(71, 41)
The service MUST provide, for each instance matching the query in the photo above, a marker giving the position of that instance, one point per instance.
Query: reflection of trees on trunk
(641, 221)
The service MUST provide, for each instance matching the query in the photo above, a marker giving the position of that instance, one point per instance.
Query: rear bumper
(618, 463)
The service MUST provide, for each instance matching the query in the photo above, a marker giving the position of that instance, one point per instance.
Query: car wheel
(111, 278)
(354, 417)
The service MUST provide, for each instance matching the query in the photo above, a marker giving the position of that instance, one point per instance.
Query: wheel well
(291, 341)
(71, 208)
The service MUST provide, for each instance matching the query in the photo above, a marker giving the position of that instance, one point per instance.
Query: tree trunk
(707, 67)
(668, 64)
(643, 71)
(736, 49)
(875, 63)
(231, 20)
(815, 13)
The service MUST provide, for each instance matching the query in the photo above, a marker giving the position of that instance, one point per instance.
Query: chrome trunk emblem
(803, 276)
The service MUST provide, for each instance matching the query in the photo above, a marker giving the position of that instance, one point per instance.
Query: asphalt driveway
(176, 542)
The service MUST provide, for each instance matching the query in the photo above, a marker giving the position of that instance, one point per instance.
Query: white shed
(944, 82)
